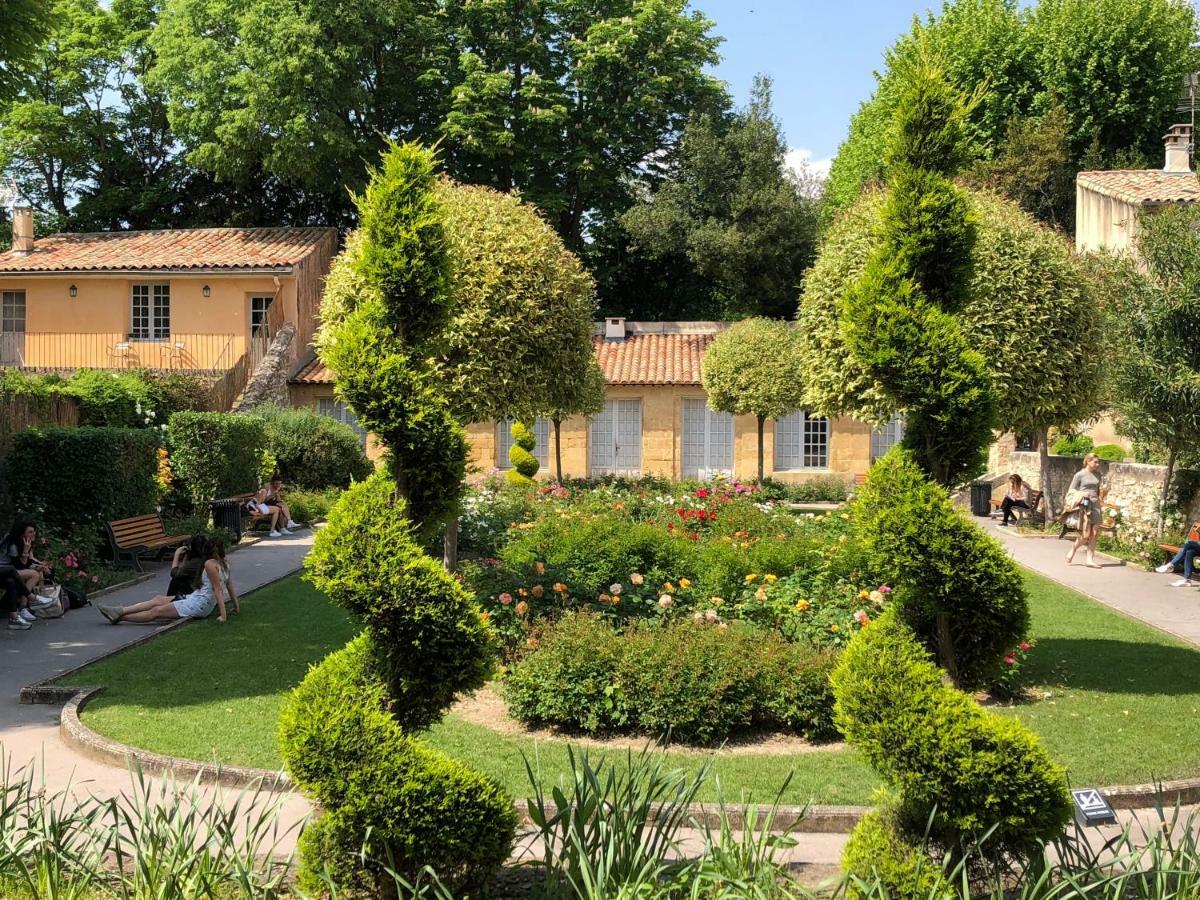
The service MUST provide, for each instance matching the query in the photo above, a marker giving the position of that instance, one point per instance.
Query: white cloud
(800, 160)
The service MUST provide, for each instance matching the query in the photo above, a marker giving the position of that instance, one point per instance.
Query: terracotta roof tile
(638, 359)
(179, 249)
(1143, 185)
(652, 358)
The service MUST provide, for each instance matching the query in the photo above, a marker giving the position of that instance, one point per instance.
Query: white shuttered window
(801, 442)
(616, 439)
(707, 441)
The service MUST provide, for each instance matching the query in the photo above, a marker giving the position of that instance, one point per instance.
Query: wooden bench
(136, 535)
(1172, 549)
(1034, 501)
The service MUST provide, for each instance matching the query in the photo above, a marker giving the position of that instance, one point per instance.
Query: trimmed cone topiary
(386, 800)
(520, 455)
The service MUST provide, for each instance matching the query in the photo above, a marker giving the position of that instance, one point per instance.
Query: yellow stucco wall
(662, 440)
(64, 331)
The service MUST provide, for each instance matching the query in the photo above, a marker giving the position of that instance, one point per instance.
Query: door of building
(616, 439)
(707, 441)
(12, 328)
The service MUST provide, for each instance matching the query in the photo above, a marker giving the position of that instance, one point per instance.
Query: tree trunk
(761, 420)
(1043, 439)
(946, 648)
(450, 546)
(1172, 455)
(558, 450)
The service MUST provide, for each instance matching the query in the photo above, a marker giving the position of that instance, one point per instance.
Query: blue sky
(821, 56)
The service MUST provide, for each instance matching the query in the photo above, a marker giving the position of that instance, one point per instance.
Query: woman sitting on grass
(209, 590)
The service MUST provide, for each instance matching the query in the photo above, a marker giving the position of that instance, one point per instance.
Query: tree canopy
(1114, 67)
(755, 369)
(733, 207)
(21, 30)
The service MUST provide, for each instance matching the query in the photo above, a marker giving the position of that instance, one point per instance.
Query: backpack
(73, 599)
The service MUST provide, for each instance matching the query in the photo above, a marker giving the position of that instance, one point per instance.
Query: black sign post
(1091, 808)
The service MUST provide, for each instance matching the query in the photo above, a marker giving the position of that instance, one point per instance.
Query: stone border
(814, 819)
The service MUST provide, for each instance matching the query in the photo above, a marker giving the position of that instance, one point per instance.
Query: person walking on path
(1083, 500)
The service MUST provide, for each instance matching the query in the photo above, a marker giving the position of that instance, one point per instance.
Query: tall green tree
(900, 316)
(1115, 68)
(566, 101)
(21, 31)
(755, 369)
(1154, 327)
(735, 209)
(301, 92)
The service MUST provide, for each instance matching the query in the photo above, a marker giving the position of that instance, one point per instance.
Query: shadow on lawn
(1115, 667)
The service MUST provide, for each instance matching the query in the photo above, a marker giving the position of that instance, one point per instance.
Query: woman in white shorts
(199, 603)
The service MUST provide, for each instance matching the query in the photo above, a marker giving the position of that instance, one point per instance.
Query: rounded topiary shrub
(958, 770)
(520, 455)
(956, 587)
(382, 791)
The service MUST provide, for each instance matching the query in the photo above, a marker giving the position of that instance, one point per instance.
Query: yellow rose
(770, 579)
(685, 583)
(802, 605)
(834, 628)
(668, 588)
(751, 578)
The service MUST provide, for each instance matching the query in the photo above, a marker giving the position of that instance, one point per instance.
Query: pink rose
(710, 615)
(861, 617)
(1009, 661)
(506, 598)
(665, 601)
(702, 493)
(95, 579)
(1024, 645)
(884, 589)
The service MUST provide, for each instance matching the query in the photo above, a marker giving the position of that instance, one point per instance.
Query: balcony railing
(192, 352)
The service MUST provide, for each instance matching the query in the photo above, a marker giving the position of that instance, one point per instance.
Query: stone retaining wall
(1135, 487)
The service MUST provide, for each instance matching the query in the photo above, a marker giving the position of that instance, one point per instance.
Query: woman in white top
(1017, 496)
(210, 591)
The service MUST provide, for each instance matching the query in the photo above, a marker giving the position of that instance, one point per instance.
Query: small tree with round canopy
(755, 369)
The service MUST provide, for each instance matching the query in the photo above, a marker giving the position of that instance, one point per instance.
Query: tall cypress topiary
(347, 733)
(899, 317)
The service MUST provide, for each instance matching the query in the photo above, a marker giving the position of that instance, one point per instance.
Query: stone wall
(1134, 487)
(269, 381)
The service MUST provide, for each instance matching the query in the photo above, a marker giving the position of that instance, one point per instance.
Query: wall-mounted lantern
(73, 291)
(206, 291)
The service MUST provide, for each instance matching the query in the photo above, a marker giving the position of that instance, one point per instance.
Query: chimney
(1179, 150)
(22, 228)
(614, 329)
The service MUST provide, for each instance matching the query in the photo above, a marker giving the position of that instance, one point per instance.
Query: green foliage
(519, 340)
(520, 455)
(1154, 370)
(956, 587)
(733, 208)
(312, 451)
(73, 480)
(215, 455)
(898, 317)
(1101, 79)
(701, 682)
(20, 32)
(1072, 445)
(956, 768)
(388, 311)
(130, 399)
(821, 489)
(312, 506)
(1111, 452)
(880, 859)
(753, 369)
(110, 399)
(1033, 312)
(381, 790)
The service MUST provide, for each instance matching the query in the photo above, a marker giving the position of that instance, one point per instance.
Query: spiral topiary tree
(899, 317)
(520, 455)
(347, 734)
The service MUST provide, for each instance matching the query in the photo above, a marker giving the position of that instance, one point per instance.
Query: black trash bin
(981, 498)
(228, 514)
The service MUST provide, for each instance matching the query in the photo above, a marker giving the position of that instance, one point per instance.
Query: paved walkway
(1129, 589)
(30, 733)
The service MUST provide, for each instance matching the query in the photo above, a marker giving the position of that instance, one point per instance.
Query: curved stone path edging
(821, 819)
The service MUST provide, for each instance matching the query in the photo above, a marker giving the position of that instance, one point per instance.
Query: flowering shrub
(819, 608)
(1010, 683)
(701, 681)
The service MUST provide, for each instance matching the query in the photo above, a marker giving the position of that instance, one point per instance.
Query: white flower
(615, 588)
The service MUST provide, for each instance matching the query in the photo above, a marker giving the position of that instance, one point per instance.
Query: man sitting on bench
(1186, 555)
(269, 502)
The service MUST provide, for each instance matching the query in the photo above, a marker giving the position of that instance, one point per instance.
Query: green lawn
(1123, 705)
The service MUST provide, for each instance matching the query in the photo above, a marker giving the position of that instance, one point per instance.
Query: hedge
(312, 451)
(216, 454)
(73, 480)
